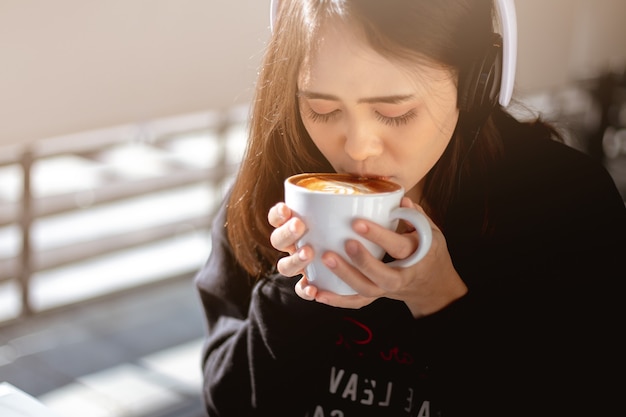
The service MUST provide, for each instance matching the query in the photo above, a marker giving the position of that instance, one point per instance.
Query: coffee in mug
(327, 203)
(345, 184)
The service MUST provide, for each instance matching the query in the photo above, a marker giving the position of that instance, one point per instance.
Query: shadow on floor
(133, 354)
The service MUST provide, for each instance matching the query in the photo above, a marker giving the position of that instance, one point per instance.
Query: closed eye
(322, 117)
(397, 120)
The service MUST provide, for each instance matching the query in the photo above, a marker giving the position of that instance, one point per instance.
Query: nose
(362, 142)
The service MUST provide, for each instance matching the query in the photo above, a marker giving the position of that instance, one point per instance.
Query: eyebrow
(393, 99)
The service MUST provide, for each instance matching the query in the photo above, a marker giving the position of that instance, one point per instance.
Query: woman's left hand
(426, 287)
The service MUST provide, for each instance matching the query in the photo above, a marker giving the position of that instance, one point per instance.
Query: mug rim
(290, 181)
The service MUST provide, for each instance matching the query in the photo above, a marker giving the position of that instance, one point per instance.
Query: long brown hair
(448, 32)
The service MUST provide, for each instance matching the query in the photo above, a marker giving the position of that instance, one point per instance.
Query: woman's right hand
(288, 230)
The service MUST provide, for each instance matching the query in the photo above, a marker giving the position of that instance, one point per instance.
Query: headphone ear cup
(480, 89)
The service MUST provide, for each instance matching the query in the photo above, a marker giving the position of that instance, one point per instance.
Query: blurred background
(123, 121)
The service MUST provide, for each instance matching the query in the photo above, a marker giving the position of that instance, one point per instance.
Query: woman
(514, 309)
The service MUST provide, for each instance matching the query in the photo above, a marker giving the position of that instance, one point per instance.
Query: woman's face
(372, 117)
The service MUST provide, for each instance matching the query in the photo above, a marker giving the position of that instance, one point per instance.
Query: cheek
(440, 129)
(422, 147)
(329, 149)
(324, 139)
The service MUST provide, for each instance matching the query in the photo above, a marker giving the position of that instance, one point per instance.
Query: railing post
(26, 220)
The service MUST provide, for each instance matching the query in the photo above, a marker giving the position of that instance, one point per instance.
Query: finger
(295, 263)
(397, 245)
(356, 276)
(285, 237)
(381, 279)
(407, 202)
(344, 301)
(305, 290)
(278, 214)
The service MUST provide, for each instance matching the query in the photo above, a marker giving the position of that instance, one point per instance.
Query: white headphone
(508, 26)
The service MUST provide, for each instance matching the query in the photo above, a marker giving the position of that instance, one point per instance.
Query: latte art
(345, 184)
(336, 187)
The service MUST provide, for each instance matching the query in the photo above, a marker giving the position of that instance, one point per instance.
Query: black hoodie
(539, 332)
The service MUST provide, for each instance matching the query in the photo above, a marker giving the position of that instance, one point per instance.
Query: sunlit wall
(74, 65)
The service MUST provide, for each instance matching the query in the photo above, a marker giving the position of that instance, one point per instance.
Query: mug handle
(424, 231)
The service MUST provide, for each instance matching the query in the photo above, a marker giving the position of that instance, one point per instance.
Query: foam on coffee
(345, 184)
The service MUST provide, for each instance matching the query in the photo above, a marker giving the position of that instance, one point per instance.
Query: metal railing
(28, 208)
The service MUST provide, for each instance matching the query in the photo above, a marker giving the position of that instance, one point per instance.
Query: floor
(137, 354)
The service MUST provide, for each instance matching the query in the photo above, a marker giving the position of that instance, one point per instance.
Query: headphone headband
(508, 26)
(507, 19)
(273, 12)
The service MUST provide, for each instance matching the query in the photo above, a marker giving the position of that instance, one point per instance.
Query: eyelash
(322, 118)
(399, 120)
(390, 121)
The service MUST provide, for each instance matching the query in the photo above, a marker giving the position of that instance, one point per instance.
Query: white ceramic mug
(328, 203)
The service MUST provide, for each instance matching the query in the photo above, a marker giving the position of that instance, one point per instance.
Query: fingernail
(360, 227)
(282, 210)
(302, 255)
(351, 247)
(292, 226)
(329, 261)
(309, 291)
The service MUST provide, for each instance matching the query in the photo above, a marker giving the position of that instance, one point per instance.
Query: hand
(288, 230)
(426, 287)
